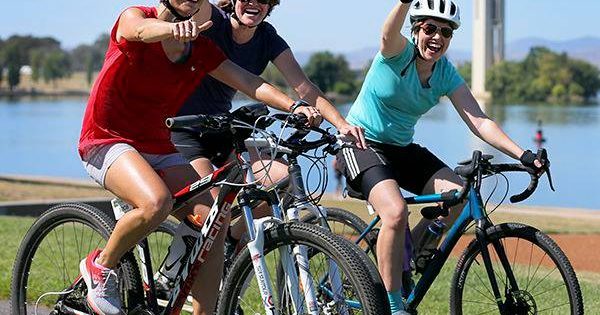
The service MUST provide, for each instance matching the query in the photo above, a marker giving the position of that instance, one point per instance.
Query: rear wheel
(349, 226)
(543, 282)
(46, 270)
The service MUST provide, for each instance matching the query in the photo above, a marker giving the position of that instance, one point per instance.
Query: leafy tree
(1, 61)
(465, 72)
(12, 61)
(326, 70)
(36, 60)
(56, 65)
(544, 76)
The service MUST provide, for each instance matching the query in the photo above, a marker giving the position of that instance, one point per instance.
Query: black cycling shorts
(411, 167)
(215, 147)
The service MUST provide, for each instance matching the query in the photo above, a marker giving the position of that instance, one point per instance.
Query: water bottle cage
(422, 261)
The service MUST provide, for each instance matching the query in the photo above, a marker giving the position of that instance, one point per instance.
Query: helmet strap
(178, 17)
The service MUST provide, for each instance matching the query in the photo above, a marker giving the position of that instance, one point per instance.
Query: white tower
(488, 42)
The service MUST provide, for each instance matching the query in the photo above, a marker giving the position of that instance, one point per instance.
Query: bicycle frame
(234, 172)
(231, 172)
(472, 211)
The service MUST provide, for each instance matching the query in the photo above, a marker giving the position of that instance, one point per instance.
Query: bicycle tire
(524, 301)
(369, 292)
(349, 226)
(79, 216)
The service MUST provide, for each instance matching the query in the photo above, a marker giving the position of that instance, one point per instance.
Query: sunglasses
(259, 1)
(429, 29)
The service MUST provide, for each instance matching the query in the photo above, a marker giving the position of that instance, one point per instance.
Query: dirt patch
(580, 249)
(16, 191)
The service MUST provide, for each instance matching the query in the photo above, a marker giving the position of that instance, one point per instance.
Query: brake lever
(542, 156)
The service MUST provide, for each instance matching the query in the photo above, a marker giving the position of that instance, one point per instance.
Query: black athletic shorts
(215, 147)
(411, 167)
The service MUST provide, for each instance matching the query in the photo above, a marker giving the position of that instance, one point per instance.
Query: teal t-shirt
(389, 104)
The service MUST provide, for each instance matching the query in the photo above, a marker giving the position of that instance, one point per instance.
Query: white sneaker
(103, 286)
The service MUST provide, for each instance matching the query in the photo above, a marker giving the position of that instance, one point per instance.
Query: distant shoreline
(34, 94)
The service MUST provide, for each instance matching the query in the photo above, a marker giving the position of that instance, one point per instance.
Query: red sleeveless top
(138, 88)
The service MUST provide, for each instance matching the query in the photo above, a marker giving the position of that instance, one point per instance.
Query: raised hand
(189, 30)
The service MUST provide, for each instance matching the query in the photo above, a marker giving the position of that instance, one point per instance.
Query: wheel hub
(520, 303)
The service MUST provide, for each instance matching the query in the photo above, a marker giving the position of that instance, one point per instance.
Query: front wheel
(543, 282)
(362, 294)
(46, 272)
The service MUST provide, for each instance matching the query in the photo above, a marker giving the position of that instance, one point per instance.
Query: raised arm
(287, 64)
(481, 125)
(392, 41)
(136, 27)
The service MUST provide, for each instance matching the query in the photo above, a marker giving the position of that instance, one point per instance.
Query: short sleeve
(125, 46)
(403, 58)
(452, 79)
(277, 44)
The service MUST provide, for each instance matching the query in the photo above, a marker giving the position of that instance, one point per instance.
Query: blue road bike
(509, 268)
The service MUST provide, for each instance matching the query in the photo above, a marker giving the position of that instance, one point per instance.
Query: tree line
(543, 76)
(48, 61)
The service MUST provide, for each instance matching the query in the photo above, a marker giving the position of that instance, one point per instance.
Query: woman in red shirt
(154, 61)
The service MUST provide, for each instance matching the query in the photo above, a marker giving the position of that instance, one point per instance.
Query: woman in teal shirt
(406, 79)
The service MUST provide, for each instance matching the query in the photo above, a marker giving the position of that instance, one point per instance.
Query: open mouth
(252, 12)
(434, 47)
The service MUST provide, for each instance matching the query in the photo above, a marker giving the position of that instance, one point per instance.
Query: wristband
(527, 158)
(297, 104)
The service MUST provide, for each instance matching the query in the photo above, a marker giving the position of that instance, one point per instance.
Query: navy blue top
(214, 97)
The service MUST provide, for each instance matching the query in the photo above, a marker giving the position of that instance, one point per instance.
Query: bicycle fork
(487, 260)
(293, 261)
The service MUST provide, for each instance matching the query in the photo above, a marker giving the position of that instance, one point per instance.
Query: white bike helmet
(446, 10)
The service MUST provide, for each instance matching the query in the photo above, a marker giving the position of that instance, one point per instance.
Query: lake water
(39, 137)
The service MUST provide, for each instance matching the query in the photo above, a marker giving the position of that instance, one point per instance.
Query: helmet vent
(430, 4)
(442, 6)
(452, 9)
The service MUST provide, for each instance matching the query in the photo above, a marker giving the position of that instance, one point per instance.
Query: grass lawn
(12, 230)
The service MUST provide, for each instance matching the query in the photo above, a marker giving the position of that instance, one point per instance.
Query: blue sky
(308, 25)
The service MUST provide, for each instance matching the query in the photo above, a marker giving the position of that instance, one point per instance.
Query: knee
(395, 216)
(157, 208)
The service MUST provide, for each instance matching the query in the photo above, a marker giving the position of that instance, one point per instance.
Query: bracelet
(297, 104)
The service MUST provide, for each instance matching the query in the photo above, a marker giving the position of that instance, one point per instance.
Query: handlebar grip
(527, 192)
(185, 121)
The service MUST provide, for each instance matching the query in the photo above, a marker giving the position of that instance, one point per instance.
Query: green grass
(13, 229)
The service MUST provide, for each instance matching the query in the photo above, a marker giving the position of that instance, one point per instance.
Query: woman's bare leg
(386, 199)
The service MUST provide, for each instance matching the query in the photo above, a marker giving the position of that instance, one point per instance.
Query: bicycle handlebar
(479, 164)
(294, 144)
(211, 122)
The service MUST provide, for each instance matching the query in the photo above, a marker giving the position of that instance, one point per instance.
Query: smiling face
(433, 46)
(251, 12)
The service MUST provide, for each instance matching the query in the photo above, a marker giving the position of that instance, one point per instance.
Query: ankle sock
(396, 303)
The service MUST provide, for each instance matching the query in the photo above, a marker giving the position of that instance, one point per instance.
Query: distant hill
(585, 48)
